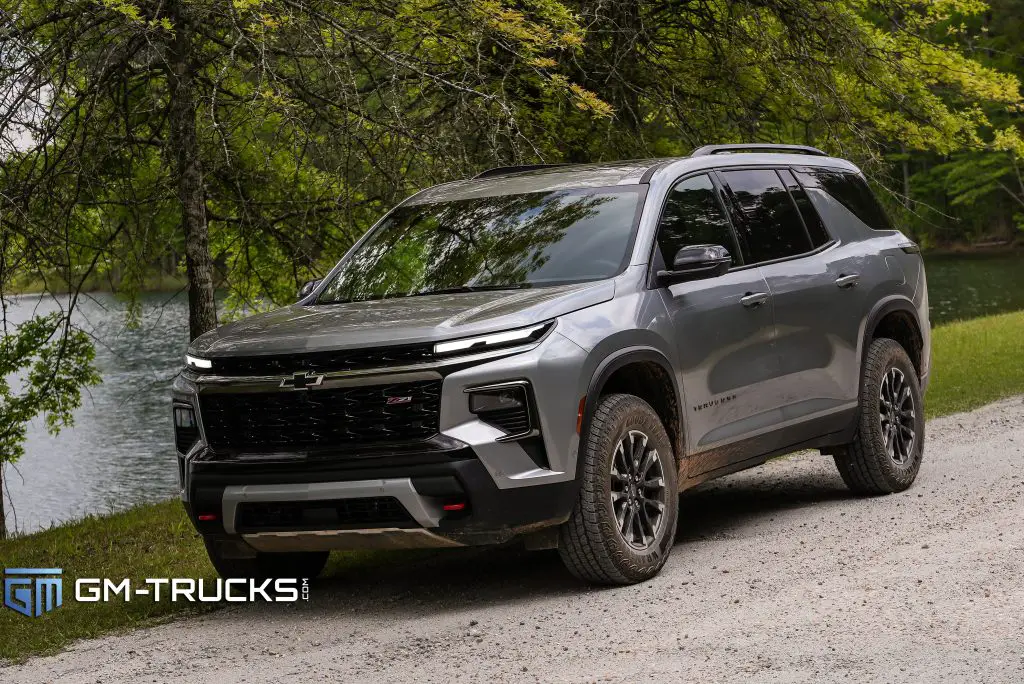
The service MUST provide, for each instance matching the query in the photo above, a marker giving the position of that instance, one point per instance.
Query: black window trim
(733, 208)
(719, 190)
(824, 225)
(792, 200)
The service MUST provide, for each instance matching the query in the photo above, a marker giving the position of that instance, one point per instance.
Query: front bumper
(507, 488)
(490, 515)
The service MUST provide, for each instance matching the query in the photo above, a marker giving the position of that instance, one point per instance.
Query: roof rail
(757, 147)
(506, 170)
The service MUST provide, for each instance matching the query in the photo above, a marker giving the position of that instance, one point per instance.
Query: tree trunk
(3, 517)
(906, 177)
(188, 167)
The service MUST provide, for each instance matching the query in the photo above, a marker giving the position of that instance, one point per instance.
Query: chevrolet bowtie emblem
(302, 380)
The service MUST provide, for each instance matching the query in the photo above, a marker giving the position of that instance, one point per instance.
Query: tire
(878, 460)
(305, 564)
(592, 543)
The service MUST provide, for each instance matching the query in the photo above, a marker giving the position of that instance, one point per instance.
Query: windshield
(509, 241)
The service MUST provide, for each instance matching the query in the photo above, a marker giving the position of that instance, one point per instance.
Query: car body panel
(402, 320)
(726, 358)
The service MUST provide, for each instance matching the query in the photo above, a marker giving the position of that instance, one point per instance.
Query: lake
(120, 451)
(973, 285)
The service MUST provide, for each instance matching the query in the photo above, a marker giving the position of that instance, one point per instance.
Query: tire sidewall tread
(590, 543)
(864, 464)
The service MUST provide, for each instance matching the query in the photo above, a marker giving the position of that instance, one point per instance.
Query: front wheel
(886, 451)
(300, 564)
(623, 525)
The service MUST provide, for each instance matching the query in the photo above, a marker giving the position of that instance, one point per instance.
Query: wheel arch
(895, 318)
(631, 371)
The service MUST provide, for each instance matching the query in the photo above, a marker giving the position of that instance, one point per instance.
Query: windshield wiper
(471, 288)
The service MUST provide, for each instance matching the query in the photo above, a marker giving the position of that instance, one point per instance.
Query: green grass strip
(975, 362)
(153, 540)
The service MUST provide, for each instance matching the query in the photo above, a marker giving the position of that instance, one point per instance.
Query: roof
(632, 172)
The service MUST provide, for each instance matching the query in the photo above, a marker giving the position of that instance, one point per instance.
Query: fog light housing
(488, 401)
(506, 406)
(186, 429)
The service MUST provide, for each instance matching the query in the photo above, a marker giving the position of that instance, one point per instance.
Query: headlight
(198, 363)
(509, 338)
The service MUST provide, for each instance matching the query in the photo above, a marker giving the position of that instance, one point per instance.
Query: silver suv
(553, 354)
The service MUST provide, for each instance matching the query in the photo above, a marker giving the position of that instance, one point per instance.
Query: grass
(154, 540)
(149, 541)
(974, 362)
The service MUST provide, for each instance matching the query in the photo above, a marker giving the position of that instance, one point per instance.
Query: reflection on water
(121, 452)
(121, 448)
(973, 285)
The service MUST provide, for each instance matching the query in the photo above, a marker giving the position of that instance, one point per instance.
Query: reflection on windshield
(501, 242)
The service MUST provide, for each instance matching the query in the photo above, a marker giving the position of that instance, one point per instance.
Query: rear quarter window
(850, 190)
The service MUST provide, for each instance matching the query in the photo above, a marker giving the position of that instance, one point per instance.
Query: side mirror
(308, 288)
(696, 262)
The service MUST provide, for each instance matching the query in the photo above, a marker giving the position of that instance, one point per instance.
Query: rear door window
(815, 226)
(769, 222)
(693, 215)
(851, 190)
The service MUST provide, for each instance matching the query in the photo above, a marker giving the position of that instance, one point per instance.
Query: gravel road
(779, 575)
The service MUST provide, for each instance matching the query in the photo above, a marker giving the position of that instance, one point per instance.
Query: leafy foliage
(975, 191)
(55, 362)
(58, 363)
(312, 117)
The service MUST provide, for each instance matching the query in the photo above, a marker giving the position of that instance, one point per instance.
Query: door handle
(754, 299)
(848, 280)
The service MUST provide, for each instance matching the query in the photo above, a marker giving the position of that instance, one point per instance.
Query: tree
(973, 192)
(267, 124)
(44, 360)
(58, 361)
(261, 138)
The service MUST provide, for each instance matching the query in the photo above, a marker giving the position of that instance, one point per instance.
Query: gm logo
(33, 591)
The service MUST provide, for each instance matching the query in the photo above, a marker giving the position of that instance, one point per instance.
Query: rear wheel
(624, 522)
(304, 564)
(885, 454)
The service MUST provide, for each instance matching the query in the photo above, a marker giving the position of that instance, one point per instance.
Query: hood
(402, 320)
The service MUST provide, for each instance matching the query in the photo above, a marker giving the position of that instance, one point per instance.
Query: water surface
(973, 285)
(121, 448)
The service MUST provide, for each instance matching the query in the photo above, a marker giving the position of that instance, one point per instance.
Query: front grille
(327, 361)
(317, 418)
(367, 512)
(513, 421)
